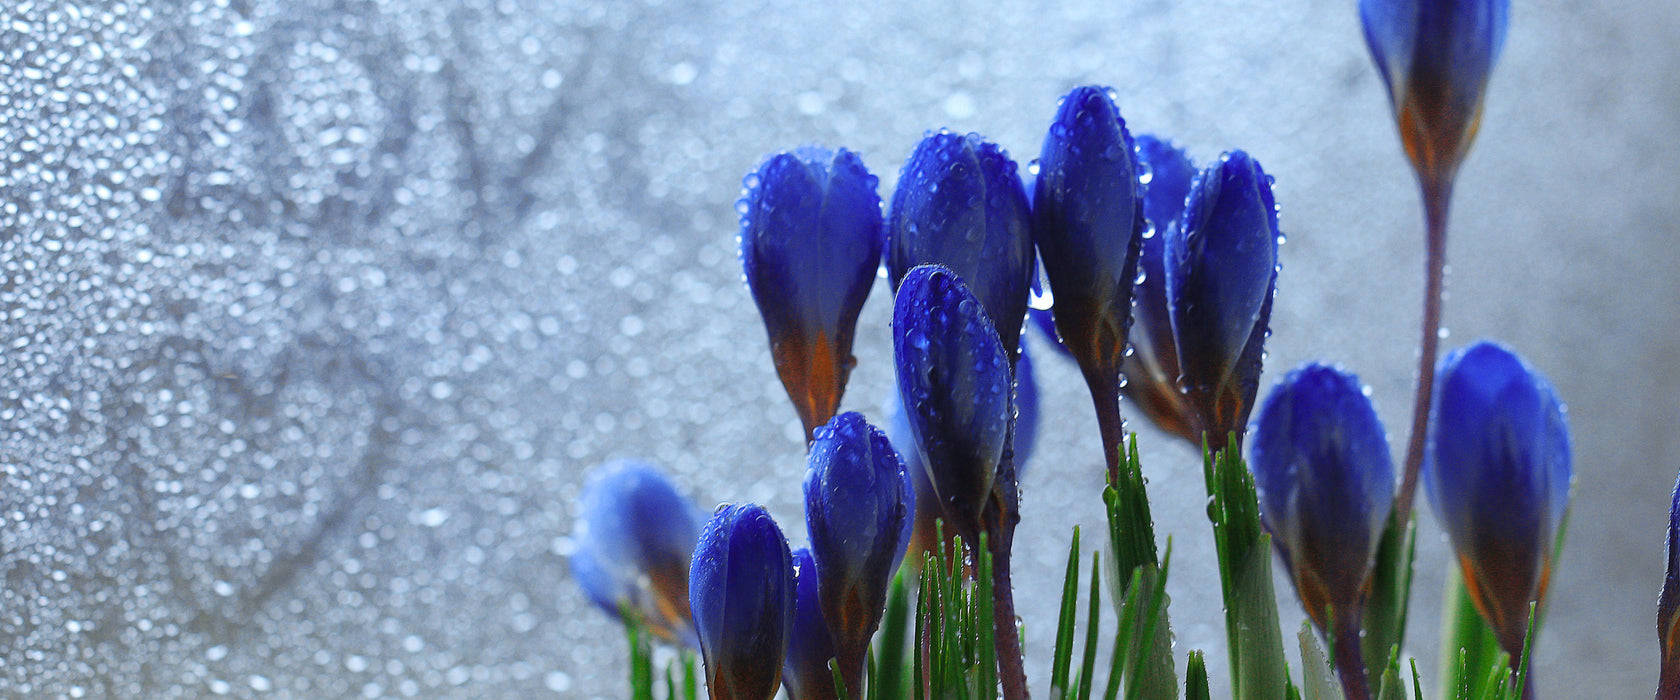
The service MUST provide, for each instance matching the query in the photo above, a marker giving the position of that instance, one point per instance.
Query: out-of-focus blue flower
(1497, 469)
(1088, 221)
(805, 670)
(1668, 608)
(953, 376)
(810, 244)
(1435, 57)
(858, 500)
(741, 584)
(1152, 369)
(1221, 271)
(1326, 481)
(960, 204)
(633, 539)
(1025, 434)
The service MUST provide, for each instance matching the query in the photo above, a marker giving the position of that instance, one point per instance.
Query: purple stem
(1437, 197)
(1105, 395)
(1350, 661)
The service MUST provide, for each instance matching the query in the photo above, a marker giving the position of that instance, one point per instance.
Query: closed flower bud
(805, 670)
(1326, 481)
(634, 539)
(1088, 221)
(1497, 469)
(959, 203)
(1151, 370)
(953, 376)
(1435, 57)
(810, 245)
(858, 499)
(1221, 271)
(1668, 608)
(741, 585)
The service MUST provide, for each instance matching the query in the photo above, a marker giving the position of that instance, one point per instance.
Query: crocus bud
(857, 501)
(810, 648)
(1152, 369)
(959, 203)
(633, 540)
(953, 376)
(1435, 57)
(810, 244)
(1668, 609)
(1221, 272)
(741, 585)
(1088, 222)
(1326, 481)
(1497, 469)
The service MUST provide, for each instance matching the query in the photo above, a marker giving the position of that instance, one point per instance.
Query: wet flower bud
(858, 499)
(1497, 469)
(959, 203)
(805, 671)
(1152, 369)
(1321, 464)
(634, 538)
(1221, 271)
(1435, 57)
(810, 245)
(741, 585)
(953, 376)
(1088, 221)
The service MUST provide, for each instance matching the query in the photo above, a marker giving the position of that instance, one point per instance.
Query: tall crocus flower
(810, 648)
(953, 377)
(633, 539)
(1221, 264)
(858, 499)
(959, 203)
(1151, 370)
(741, 583)
(1321, 464)
(1088, 222)
(1497, 470)
(810, 244)
(1435, 57)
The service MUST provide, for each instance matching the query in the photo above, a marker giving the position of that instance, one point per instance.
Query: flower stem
(1437, 197)
(1002, 515)
(1105, 396)
(1350, 662)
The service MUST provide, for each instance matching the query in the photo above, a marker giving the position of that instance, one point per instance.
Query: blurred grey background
(316, 313)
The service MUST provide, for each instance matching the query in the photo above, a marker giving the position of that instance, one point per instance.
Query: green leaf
(1131, 531)
(1469, 646)
(1062, 657)
(1092, 619)
(1196, 678)
(889, 677)
(1387, 605)
(1258, 665)
(1318, 680)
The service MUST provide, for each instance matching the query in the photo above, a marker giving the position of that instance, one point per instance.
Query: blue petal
(805, 672)
(1321, 464)
(959, 203)
(953, 376)
(1497, 469)
(1088, 222)
(810, 245)
(857, 501)
(1221, 271)
(741, 584)
(635, 536)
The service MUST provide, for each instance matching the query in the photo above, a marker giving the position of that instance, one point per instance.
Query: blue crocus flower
(1221, 263)
(1151, 370)
(741, 583)
(1668, 608)
(959, 203)
(810, 648)
(634, 538)
(858, 500)
(810, 244)
(1321, 465)
(953, 377)
(1497, 469)
(1435, 57)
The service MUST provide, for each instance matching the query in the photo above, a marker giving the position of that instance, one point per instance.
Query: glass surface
(314, 314)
